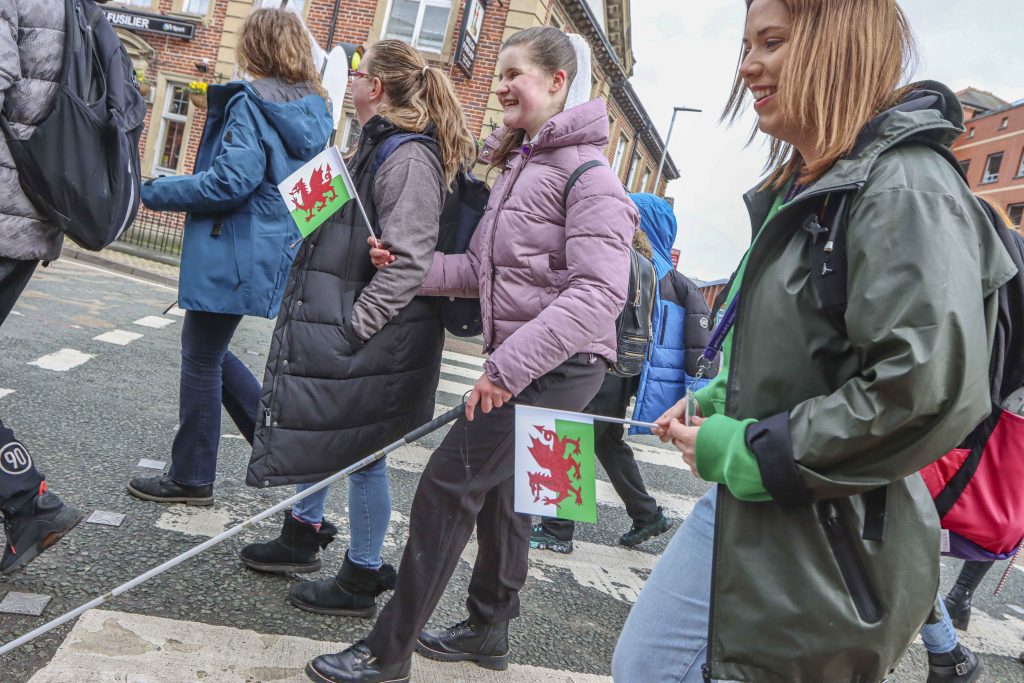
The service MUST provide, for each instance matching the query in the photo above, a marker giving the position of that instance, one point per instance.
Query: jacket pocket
(851, 566)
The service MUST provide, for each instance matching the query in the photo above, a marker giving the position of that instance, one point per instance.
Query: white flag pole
(586, 417)
(355, 197)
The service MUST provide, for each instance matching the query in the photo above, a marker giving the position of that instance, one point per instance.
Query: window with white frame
(1004, 123)
(300, 5)
(992, 168)
(171, 140)
(634, 166)
(620, 154)
(137, 3)
(644, 180)
(350, 134)
(1016, 213)
(1020, 169)
(421, 23)
(200, 7)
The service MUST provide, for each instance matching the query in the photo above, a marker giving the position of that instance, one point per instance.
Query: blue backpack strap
(390, 144)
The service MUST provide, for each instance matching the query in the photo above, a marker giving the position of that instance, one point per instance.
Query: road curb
(97, 259)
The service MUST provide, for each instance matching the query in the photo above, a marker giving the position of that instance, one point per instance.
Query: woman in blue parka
(239, 239)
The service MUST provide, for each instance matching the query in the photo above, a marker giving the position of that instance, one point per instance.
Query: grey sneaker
(542, 540)
(639, 534)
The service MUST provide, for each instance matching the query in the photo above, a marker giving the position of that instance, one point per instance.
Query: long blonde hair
(551, 50)
(845, 63)
(273, 44)
(418, 94)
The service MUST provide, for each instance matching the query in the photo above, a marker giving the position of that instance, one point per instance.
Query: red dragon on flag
(554, 459)
(317, 194)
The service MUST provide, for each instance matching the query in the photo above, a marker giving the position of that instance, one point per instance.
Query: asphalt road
(211, 619)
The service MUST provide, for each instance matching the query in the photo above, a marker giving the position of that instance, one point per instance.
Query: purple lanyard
(721, 331)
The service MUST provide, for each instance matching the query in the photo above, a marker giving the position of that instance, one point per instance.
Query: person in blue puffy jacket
(239, 239)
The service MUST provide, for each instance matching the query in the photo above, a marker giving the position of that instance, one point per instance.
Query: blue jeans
(369, 512)
(940, 637)
(210, 376)
(666, 634)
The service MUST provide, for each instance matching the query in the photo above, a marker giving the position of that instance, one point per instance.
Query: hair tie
(423, 72)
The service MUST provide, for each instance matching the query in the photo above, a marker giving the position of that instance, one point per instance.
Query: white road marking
(154, 321)
(459, 371)
(116, 646)
(474, 361)
(62, 361)
(199, 521)
(666, 457)
(65, 262)
(151, 464)
(180, 312)
(454, 388)
(119, 337)
(232, 436)
(18, 313)
(6, 392)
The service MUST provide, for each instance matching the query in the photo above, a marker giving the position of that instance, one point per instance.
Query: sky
(686, 53)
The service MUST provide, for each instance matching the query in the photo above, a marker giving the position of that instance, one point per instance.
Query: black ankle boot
(959, 666)
(297, 549)
(352, 593)
(357, 665)
(958, 604)
(485, 644)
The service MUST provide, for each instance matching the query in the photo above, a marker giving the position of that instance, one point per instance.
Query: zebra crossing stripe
(471, 361)
(119, 337)
(153, 321)
(6, 392)
(62, 361)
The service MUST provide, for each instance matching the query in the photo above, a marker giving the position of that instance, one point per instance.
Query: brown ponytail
(418, 94)
(551, 50)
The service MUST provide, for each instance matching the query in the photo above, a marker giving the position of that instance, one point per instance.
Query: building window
(965, 166)
(620, 154)
(970, 133)
(350, 134)
(992, 168)
(421, 23)
(200, 7)
(171, 141)
(1020, 171)
(644, 181)
(1005, 122)
(299, 5)
(1015, 212)
(634, 166)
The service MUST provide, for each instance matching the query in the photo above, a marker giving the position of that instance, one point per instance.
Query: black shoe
(959, 666)
(297, 549)
(958, 604)
(357, 664)
(352, 593)
(485, 644)
(640, 533)
(542, 540)
(163, 489)
(32, 525)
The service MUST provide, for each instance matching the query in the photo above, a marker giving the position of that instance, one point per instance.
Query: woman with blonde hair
(356, 355)
(815, 556)
(239, 238)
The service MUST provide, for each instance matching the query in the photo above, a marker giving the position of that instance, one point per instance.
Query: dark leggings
(972, 574)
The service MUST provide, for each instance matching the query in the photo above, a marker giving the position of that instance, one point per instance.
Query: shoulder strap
(576, 176)
(719, 301)
(390, 144)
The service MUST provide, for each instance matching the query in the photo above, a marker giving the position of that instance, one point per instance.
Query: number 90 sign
(14, 459)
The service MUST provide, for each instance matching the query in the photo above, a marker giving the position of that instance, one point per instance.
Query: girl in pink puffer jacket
(551, 279)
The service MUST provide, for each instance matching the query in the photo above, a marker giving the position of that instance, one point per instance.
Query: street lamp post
(664, 151)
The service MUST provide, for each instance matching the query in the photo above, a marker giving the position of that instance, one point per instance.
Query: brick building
(991, 150)
(174, 42)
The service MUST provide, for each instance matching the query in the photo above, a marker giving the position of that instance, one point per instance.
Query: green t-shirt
(722, 453)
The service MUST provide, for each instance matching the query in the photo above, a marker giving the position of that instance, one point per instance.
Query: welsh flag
(555, 464)
(317, 191)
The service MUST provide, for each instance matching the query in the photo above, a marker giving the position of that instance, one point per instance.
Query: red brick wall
(990, 138)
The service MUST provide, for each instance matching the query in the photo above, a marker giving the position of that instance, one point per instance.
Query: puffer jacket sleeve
(455, 274)
(233, 175)
(599, 226)
(916, 318)
(10, 61)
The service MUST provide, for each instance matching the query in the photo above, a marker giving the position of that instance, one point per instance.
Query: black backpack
(80, 167)
(634, 327)
(460, 317)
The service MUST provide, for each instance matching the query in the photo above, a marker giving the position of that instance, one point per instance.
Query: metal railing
(159, 231)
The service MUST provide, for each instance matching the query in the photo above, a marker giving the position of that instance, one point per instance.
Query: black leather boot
(163, 489)
(352, 593)
(357, 665)
(485, 644)
(958, 604)
(959, 666)
(297, 549)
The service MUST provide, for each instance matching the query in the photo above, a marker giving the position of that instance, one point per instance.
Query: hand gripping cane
(412, 436)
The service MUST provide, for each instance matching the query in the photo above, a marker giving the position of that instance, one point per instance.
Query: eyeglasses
(352, 73)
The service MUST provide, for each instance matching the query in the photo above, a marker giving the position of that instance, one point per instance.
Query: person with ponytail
(239, 239)
(356, 355)
(551, 279)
